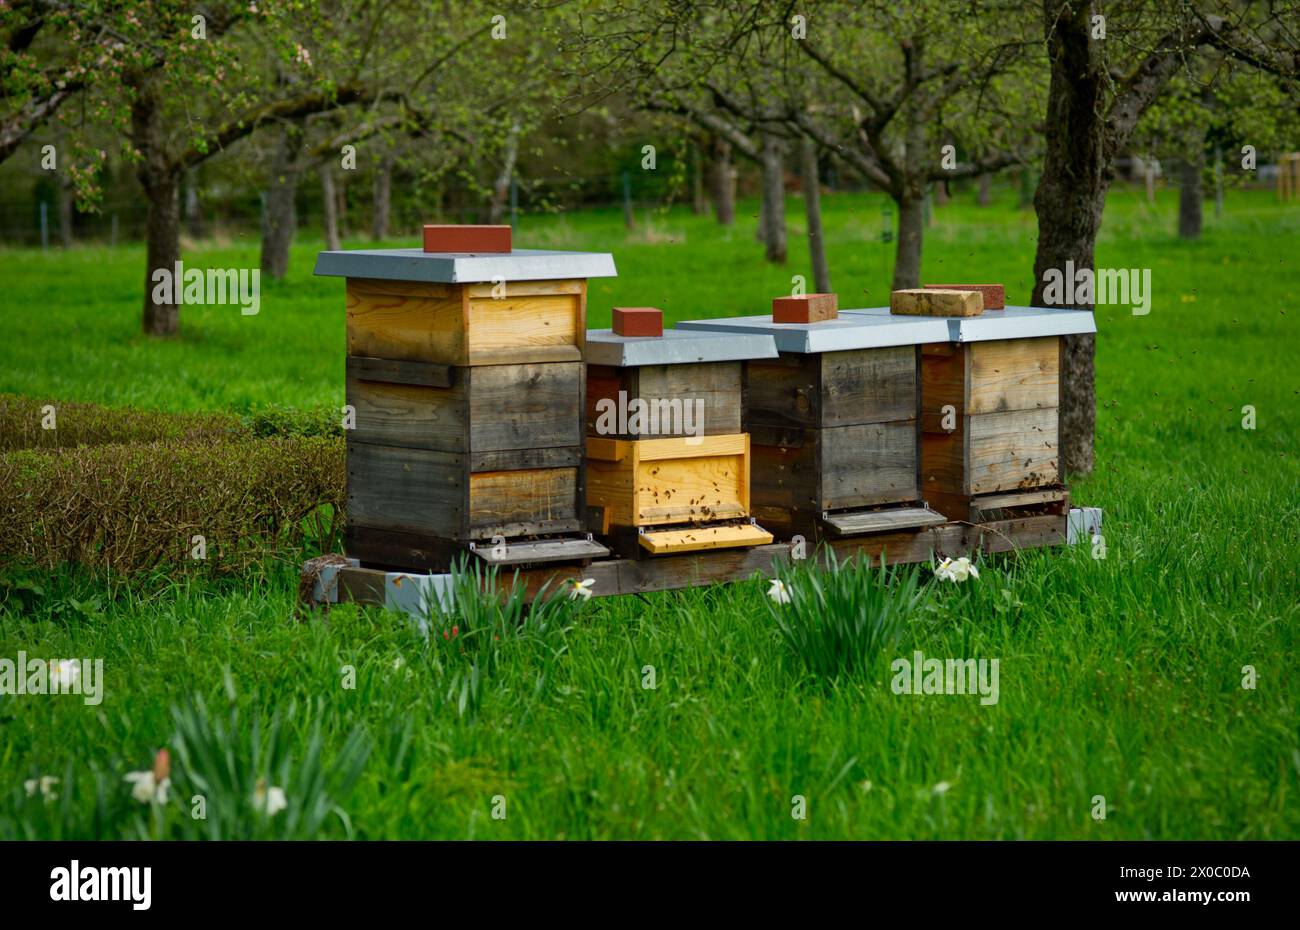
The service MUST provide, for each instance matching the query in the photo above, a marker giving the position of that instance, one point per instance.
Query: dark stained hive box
(466, 376)
(834, 423)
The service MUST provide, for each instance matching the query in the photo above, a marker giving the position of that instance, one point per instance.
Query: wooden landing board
(542, 550)
(636, 576)
(695, 539)
(877, 521)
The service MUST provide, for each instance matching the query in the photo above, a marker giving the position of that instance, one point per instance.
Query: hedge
(130, 507)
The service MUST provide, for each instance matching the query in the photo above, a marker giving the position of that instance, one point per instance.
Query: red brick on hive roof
(457, 238)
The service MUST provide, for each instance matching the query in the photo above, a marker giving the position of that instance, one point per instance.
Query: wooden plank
(522, 502)
(543, 327)
(660, 542)
(671, 572)
(857, 522)
(832, 388)
(1019, 498)
(1014, 374)
(944, 382)
(392, 371)
(690, 447)
(514, 459)
(711, 389)
(922, 302)
(608, 450)
(1015, 450)
(414, 490)
(526, 288)
(405, 321)
(868, 386)
(868, 464)
(487, 409)
(542, 551)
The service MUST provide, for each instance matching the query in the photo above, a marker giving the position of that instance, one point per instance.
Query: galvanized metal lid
(851, 330)
(465, 267)
(674, 347)
(1009, 323)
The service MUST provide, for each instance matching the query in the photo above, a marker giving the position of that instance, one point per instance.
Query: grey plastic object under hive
(465, 267)
(1010, 323)
(674, 347)
(861, 330)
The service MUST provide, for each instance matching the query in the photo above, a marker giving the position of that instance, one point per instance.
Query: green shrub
(21, 420)
(276, 420)
(839, 620)
(135, 507)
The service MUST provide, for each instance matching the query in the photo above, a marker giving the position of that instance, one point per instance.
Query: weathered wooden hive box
(466, 376)
(668, 465)
(990, 395)
(834, 422)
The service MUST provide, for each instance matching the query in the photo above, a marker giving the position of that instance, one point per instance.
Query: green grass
(1120, 677)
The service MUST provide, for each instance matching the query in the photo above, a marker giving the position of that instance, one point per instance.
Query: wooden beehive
(466, 378)
(834, 423)
(990, 423)
(668, 466)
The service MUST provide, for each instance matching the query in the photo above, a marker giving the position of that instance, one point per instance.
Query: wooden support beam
(671, 572)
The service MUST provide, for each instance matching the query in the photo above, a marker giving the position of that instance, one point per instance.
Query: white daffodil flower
(154, 785)
(45, 785)
(941, 788)
(779, 591)
(66, 675)
(269, 801)
(146, 788)
(956, 570)
(581, 589)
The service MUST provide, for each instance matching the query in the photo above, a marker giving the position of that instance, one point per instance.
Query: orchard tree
(1108, 65)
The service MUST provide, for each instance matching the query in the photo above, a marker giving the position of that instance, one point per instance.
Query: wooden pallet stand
(668, 466)
(465, 373)
(610, 577)
(834, 422)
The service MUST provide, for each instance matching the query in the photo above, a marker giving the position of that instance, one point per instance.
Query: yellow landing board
(662, 542)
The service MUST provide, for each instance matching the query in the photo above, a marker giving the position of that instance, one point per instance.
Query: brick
(638, 321)
(935, 302)
(805, 308)
(995, 295)
(458, 238)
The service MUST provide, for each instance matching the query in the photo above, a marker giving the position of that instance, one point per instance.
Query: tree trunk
(501, 189)
(773, 219)
(193, 209)
(911, 232)
(1190, 195)
(329, 206)
(280, 218)
(984, 197)
(723, 184)
(940, 193)
(812, 201)
(1069, 200)
(65, 213)
(342, 185)
(383, 199)
(160, 178)
(699, 203)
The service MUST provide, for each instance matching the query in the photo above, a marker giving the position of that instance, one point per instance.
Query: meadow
(1121, 676)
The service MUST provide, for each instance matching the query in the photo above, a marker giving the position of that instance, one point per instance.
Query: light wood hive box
(1004, 399)
(654, 490)
(468, 404)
